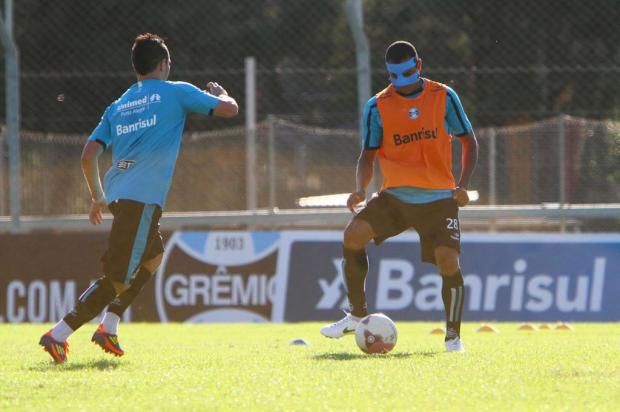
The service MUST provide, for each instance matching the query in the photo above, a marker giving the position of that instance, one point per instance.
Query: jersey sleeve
(456, 119)
(372, 129)
(103, 132)
(195, 100)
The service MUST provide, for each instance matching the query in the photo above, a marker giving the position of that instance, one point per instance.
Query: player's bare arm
(469, 159)
(228, 106)
(90, 168)
(363, 175)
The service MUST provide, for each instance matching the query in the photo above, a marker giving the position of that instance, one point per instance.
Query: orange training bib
(416, 148)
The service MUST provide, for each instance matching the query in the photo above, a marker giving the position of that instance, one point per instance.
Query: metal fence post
(250, 133)
(492, 167)
(2, 172)
(355, 16)
(12, 112)
(492, 174)
(272, 160)
(562, 168)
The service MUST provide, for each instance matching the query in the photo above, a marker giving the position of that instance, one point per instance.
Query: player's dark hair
(147, 51)
(399, 51)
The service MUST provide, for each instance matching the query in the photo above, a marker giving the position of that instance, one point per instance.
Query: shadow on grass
(344, 356)
(427, 353)
(100, 364)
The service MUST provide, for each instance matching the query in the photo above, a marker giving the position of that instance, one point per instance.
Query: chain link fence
(517, 165)
(538, 80)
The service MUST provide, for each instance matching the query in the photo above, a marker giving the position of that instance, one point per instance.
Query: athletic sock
(110, 322)
(355, 268)
(453, 293)
(120, 304)
(61, 331)
(91, 303)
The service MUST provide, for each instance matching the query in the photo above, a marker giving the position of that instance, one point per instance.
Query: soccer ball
(376, 333)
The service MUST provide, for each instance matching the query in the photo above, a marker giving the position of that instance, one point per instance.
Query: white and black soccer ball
(376, 333)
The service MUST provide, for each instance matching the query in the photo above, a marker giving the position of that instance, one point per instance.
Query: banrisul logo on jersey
(218, 276)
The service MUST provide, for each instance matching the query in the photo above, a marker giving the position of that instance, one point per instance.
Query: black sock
(90, 303)
(453, 294)
(355, 268)
(122, 301)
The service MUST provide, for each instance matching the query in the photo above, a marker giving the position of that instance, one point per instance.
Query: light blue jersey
(456, 123)
(144, 128)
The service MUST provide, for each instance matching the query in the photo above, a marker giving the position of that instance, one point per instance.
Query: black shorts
(134, 239)
(437, 223)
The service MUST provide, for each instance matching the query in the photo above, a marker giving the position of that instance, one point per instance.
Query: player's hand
(355, 199)
(216, 90)
(95, 215)
(460, 195)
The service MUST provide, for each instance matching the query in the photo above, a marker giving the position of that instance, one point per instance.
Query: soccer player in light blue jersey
(143, 129)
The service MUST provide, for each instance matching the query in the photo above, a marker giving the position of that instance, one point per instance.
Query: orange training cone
(564, 326)
(487, 328)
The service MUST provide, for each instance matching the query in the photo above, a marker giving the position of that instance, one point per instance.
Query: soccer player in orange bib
(409, 126)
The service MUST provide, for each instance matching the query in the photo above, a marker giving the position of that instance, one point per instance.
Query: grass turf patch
(252, 367)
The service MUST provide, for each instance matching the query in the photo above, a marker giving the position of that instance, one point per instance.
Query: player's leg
(121, 244)
(90, 303)
(355, 269)
(452, 293)
(355, 264)
(148, 257)
(376, 221)
(440, 240)
(120, 304)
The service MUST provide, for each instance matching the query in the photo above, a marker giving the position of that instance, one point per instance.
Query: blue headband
(399, 69)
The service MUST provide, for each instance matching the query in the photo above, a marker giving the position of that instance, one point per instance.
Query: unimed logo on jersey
(218, 276)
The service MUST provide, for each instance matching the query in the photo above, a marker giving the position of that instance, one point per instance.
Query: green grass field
(252, 367)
